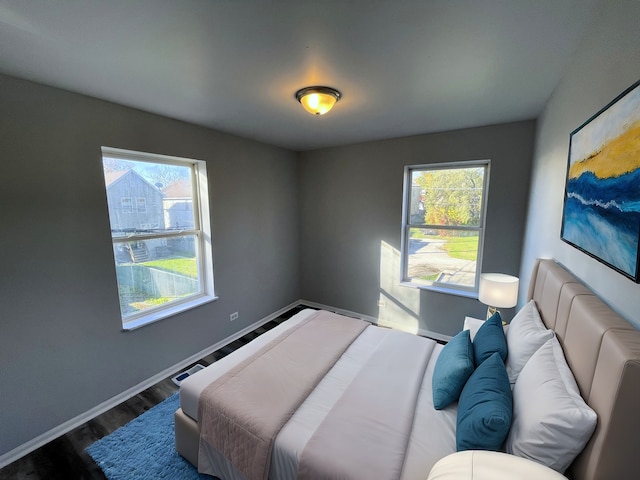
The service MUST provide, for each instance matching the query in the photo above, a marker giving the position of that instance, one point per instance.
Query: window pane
(451, 196)
(126, 205)
(155, 272)
(147, 197)
(442, 257)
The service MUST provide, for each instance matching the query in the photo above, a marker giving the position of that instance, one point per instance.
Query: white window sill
(441, 289)
(169, 311)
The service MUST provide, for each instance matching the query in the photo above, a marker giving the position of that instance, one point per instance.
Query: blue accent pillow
(485, 407)
(489, 339)
(453, 368)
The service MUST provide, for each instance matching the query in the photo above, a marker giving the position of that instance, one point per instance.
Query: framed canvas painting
(601, 213)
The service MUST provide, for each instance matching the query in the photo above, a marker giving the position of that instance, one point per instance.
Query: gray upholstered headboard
(603, 351)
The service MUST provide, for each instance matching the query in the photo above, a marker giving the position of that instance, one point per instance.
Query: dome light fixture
(318, 100)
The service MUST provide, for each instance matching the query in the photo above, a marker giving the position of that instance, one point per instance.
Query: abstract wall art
(601, 213)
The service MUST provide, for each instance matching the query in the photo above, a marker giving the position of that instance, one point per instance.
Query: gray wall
(62, 351)
(351, 213)
(606, 63)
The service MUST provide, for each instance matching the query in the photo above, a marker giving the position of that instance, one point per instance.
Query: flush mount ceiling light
(318, 100)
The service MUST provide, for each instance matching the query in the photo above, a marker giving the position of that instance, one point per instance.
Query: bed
(321, 432)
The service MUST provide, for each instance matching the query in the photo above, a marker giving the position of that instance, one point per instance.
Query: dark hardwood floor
(65, 458)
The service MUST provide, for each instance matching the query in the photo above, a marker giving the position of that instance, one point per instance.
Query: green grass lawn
(465, 248)
(181, 265)
(150, 302)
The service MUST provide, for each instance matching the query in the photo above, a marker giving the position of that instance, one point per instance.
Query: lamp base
(491, 311)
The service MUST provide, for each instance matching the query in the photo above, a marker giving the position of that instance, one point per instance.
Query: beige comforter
(242, 412)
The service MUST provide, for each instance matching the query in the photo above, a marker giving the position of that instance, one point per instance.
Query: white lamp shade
(498, 290)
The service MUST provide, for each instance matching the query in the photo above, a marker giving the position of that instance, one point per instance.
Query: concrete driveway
(427, 257)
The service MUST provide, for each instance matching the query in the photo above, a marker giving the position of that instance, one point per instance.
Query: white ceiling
(404, 67)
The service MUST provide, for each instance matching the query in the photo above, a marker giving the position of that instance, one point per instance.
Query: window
(126, 205)
(161, 269)
(443, 225)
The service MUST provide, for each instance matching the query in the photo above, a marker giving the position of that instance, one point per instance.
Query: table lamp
(498, 290)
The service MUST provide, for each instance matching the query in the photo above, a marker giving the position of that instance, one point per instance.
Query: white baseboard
(83, 418)
(374, 320)
(75, 422)
(347, 313)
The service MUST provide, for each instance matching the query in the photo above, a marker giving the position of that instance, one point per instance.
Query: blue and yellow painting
(602, 202)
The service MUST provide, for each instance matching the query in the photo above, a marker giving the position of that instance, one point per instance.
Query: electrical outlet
(233, 316)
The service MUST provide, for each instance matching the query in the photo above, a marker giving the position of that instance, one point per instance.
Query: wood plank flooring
(65, 458)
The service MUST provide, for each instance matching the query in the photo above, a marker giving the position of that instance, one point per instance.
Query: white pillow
(526, 334)
(483, 464)
(551, 422)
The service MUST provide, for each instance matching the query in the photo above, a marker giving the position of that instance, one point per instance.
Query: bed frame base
(187, 437)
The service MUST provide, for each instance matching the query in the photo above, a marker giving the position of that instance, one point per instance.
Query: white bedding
(425, 448)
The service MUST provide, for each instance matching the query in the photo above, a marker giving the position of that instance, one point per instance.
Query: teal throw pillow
(485, 407)
(453, 368)
(490, 338)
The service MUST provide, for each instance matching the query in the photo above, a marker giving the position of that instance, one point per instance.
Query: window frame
(201, 231)
(142, 203)
(449, 288)
(126, 204)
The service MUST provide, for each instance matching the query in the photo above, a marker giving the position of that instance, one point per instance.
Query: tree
(163, 174)
(452, 196)
(114, 164)
(158, 174)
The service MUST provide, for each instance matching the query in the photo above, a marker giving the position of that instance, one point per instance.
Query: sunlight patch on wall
(399, 306)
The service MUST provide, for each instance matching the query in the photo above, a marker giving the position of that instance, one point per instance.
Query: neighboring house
(417, 204)
(178, 215)
(134, 205)
(178, 205)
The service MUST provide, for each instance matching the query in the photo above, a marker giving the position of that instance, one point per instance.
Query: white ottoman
(484, 465)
